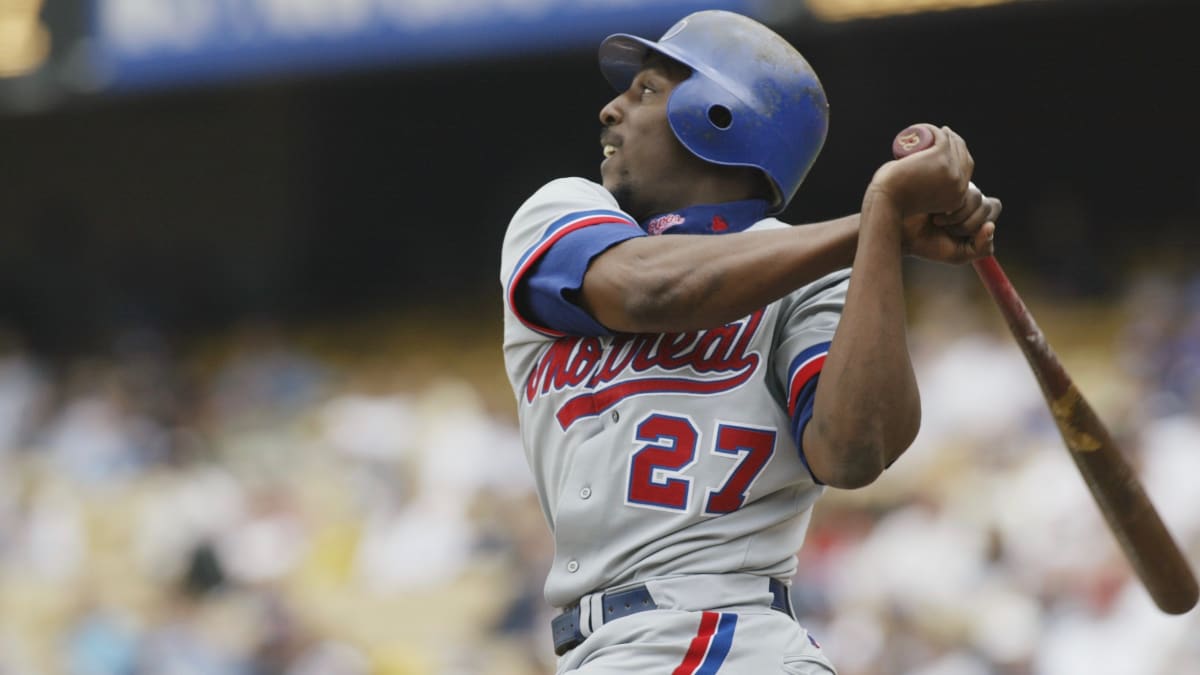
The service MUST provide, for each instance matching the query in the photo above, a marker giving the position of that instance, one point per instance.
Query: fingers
(973, 207)
(984, 242)
(966, 231)
(976, 210)
(940, 138)
(938, 245)
(959, 167)
(937, 181)
(966, 249)
(994, 208)
(964, 163)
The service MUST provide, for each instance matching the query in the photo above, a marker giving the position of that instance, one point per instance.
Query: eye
(647, 89)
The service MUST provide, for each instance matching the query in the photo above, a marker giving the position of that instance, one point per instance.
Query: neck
(732, 185)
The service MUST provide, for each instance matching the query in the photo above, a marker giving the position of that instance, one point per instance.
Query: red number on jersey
(654, 469)
(753, 447)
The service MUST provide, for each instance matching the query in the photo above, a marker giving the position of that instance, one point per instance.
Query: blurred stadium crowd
(275, 501)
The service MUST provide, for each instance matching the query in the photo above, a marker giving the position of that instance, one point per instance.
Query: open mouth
(609, 150)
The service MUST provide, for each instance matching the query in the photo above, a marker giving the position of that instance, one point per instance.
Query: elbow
(638, 301)
(629, 291)
(853, 463)
(627, 295)
(629, 310)
(857, 468)
(648, 303)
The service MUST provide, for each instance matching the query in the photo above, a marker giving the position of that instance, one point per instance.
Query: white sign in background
(146, 41)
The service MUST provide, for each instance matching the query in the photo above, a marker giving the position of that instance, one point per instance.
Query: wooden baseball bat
(1131, 516)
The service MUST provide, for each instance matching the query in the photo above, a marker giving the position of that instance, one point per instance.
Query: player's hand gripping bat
(1133, 519)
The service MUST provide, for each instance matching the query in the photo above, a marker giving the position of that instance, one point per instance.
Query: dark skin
(867, 407)
(654, 157)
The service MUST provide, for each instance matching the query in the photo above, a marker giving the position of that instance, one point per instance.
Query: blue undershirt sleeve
(547, 292)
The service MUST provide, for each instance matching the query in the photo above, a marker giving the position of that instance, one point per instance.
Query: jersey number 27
(657, 469)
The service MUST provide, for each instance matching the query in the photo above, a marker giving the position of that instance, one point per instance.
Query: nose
(611, 113)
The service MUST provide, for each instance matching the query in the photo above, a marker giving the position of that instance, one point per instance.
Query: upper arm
(548, 248)
(805, 335)
(606, 289)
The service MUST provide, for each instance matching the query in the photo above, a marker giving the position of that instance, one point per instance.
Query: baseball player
(690, 372)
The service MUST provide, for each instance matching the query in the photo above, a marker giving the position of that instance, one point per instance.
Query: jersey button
(585, 493)
(616, 416)
(573, 566)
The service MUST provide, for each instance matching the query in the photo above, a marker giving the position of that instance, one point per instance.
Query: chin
(619, 189)
(624, 196)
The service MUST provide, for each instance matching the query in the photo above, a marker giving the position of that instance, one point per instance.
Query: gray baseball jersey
(658, 455)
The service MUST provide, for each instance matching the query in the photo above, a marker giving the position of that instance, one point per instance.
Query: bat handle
(1050, 374)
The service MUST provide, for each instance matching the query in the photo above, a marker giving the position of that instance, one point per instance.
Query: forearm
(867, 408)
(687, 282)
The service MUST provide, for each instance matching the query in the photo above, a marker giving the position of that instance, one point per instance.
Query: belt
(567, 627)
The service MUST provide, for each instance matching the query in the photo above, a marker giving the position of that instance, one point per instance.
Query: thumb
(984, 240)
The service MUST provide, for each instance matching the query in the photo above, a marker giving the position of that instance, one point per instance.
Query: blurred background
(253, 415)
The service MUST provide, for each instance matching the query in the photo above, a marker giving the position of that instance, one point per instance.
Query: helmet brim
(621, 57)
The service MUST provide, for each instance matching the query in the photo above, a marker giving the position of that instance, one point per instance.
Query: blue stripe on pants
(719, 649)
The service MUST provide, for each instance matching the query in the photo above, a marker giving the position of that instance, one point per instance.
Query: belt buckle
(565, 630)
(587, 618)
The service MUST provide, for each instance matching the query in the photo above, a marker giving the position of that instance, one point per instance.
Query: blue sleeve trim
(803, 374)
(552, 289)
(549, 276)
(800, 420)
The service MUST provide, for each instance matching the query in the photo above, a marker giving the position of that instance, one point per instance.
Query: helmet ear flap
(704, 116)
(716, 126)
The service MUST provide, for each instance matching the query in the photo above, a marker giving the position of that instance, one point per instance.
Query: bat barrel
(1130, 514)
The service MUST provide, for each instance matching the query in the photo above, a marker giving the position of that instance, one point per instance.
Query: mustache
(610, 137)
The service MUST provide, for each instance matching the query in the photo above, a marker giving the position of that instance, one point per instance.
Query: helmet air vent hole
(720, 116)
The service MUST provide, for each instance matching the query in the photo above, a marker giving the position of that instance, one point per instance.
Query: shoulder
(558, 208)
(569, 194)
(564, 201)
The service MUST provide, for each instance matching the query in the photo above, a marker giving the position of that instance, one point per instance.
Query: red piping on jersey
(801, 378)
(536, 255)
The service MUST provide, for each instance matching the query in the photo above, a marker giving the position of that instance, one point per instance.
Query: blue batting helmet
(752, 100)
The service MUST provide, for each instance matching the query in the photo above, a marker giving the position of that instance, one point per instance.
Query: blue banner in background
(156, 43)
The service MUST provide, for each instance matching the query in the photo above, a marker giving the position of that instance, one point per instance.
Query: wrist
(880, 204)
(882, 217)
(889, 182)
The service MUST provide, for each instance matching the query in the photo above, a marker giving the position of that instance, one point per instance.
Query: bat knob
(913, 139)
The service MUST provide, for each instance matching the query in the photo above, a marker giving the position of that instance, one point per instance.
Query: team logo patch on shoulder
(663, 223)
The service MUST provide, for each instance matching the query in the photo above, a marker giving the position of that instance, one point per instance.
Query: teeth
(610, 150)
